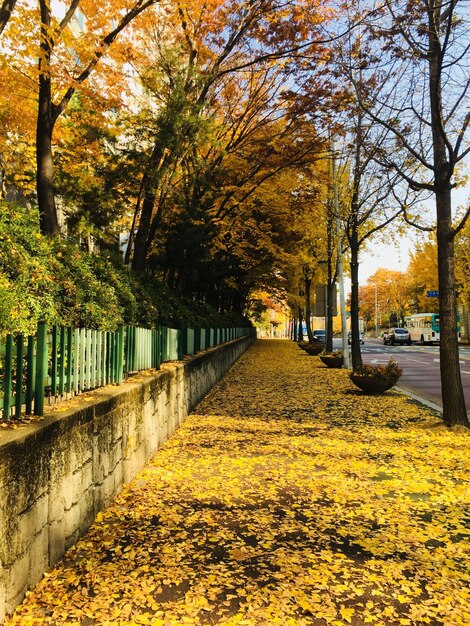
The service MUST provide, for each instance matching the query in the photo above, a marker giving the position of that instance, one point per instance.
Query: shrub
(391, 371)
(28, 290)
(53, 280)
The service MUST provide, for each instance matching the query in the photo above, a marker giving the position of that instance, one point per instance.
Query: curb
(420, 399)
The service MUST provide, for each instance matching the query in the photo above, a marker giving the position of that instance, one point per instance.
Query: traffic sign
(432, 294)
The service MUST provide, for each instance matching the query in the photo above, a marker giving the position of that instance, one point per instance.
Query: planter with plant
(332, 359)
(314, 349)
(376, 378)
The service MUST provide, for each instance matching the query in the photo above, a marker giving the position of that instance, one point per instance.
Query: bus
(424, 327)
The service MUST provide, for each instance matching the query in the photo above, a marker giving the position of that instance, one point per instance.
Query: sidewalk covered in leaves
(289, 498)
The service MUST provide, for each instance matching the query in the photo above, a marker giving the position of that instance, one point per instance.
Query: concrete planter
(332, 360)
(314, 349)
(372, 384)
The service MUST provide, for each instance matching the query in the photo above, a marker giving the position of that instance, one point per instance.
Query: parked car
(319, 335)
(361, 337)
(396, 335)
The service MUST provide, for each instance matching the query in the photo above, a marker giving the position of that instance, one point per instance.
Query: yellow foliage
(289, 499)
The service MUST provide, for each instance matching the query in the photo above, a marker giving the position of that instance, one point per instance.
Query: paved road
(420, 366)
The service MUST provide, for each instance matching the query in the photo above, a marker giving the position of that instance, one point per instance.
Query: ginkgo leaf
(261, 510)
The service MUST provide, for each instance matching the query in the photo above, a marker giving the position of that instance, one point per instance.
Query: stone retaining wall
(57, 474)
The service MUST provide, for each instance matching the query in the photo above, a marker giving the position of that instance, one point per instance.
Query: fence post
(94, 356)
(62, 362)
(70, 358)
(41, 368)
(76, 359)
(179, 343)
(82, 373)
(130, 349)
(120, 354)
(164, 331)
(125, 355)
(19, 375)
(184, 342)
(30, 375)
(99, 359)
(8, 377)
(54, 362)
(157, 347)
(113, 358)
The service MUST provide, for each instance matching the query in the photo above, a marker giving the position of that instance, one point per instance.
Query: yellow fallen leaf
(347, 613)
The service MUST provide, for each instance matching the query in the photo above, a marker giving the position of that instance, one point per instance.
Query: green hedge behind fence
(62, 362)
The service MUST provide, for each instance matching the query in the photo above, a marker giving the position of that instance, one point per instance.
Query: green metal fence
(59, 363)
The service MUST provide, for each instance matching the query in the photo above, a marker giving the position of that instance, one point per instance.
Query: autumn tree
(95, 165)
(401, 293)
(393, 298)
(223, 183)
(422, 276)
(365, 209)
(251, 44)
(68, 54)
(421, 85)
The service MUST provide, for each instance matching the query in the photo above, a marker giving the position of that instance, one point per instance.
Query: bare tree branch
(68, 16)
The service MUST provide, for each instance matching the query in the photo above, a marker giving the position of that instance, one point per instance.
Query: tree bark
(300, 333)
(149, 187)
(48, 112)
(453, 399)
(355, 344)
(5, 13)
(354, 244)
(49, 223)
(294, 329)
(308, 307)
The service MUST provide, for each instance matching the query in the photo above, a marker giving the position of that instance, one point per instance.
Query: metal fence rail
(59, 362)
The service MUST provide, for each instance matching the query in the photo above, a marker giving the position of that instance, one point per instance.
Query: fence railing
(59, 363)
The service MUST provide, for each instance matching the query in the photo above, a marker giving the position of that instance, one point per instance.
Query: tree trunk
(329, 314)
(354, 244)
(149, 185)
(5, 13)
(355, 344)
(453, 399)
(300, 333)
(308, 308)
(141, 245)
(49, 222)
(294, 329)
(46, 119)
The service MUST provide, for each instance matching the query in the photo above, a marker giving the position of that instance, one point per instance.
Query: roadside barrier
(59, 363)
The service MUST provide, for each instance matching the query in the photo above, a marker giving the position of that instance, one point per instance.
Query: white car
(396, 335)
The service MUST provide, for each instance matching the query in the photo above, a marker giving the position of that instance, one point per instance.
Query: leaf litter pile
(288, 499)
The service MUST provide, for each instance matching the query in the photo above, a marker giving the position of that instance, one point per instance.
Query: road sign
(432, 294)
